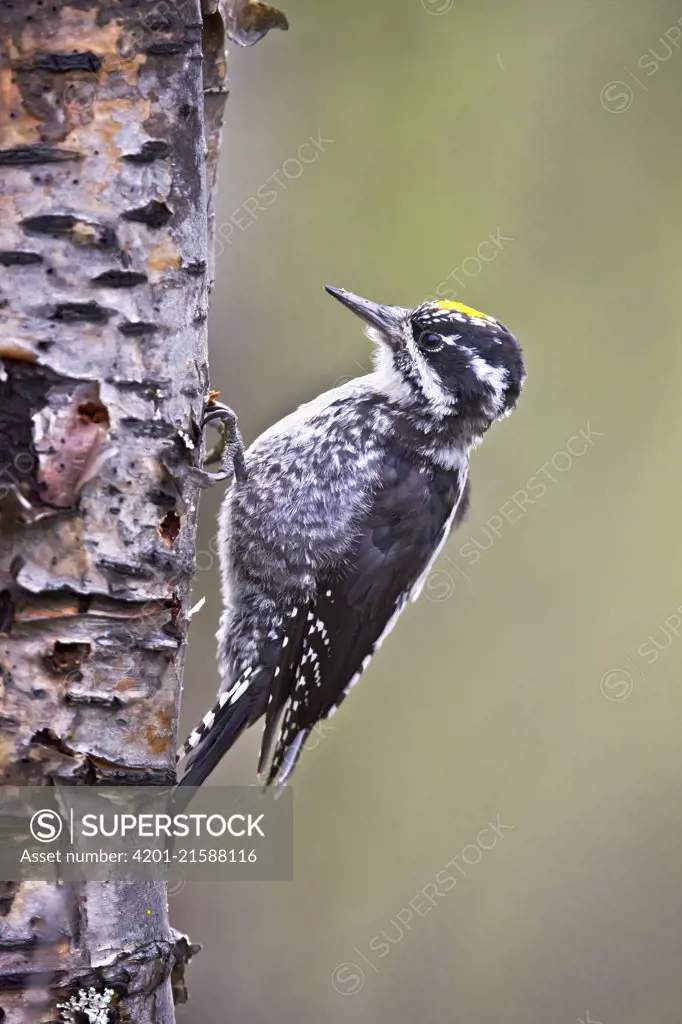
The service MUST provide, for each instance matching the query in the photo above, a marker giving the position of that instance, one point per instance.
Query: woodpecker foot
(229, 450)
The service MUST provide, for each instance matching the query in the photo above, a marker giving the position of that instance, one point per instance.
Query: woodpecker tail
(235, 710)
(261, 689)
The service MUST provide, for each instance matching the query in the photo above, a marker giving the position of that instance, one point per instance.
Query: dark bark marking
(22, 156)
(147, 428)
(17, 944)
(137, 572)
(81, 312)
(158, 22)
(196, 268)
(77, 229)
(154, 214)
(55, 224)
(168, 49)
(136, 328)
(155, 149)
(61, 62)
(94, 700)
(18, 258)
(148, 386)
(119, 279)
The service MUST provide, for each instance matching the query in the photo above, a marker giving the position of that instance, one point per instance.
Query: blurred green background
(527, 682)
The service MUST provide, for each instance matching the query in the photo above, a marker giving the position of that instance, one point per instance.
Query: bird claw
(229, 450)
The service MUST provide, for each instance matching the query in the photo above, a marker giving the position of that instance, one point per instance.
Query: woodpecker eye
(430, 342)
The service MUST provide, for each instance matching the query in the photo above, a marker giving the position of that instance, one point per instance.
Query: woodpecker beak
(386, 318)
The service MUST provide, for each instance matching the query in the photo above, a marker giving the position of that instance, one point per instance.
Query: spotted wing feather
(239, 707)
(356, 607)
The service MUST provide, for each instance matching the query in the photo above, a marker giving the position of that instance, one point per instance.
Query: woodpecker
(335, 517)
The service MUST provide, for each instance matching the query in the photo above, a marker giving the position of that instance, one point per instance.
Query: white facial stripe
(390, 381)
(441, 399)
(496, 376)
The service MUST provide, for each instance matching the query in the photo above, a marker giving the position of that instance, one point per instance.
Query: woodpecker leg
(229, 450)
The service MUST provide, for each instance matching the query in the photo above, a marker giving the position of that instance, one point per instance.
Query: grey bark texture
(104, 265)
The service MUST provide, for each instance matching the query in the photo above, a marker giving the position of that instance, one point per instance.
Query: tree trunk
(103, 374)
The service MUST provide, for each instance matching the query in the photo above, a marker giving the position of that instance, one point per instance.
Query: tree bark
(103, 374)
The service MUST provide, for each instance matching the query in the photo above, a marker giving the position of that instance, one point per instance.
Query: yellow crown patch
(459, 307)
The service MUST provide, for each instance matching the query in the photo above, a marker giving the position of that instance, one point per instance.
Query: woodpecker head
(454, 358)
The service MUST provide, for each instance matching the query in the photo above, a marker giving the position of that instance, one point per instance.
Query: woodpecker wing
(398, 539)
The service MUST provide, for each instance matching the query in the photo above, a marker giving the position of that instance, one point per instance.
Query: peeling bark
(103, 373)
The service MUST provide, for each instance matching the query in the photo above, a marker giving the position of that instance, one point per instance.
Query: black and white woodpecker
(335, 517)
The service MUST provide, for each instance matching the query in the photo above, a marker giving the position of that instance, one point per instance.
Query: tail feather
(283, 765)
(235, 710)
(283, 675)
